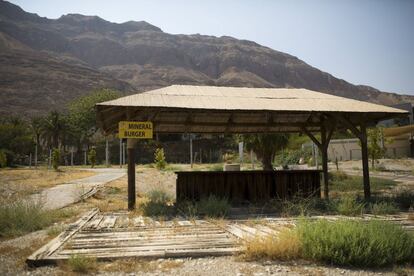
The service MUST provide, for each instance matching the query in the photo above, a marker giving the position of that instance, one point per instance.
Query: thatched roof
(210, 109)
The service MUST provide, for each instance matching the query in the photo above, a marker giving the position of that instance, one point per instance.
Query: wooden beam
(312, 137)
(349, 125)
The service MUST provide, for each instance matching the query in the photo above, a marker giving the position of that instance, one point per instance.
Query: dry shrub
(285, 246)
(81, 264)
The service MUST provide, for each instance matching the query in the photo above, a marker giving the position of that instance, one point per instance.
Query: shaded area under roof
(211, 109)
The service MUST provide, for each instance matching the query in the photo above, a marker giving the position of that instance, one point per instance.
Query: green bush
(159, 159)
(81, 264)
(23, 216)
(213, 206)
(55, 159)
(404, 199)
(3, 159)
(383, 208)
(349, 206)
(356, 243)
(158, 205)
(92, 157)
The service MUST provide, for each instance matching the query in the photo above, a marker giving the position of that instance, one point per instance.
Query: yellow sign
(135, 130)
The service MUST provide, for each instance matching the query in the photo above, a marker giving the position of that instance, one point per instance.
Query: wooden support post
(326, 135)
(365, 166)
(191, 150)
(131, 143)
(361, 134)
(324, 153)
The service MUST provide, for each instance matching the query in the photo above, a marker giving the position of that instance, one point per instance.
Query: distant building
(399, 130)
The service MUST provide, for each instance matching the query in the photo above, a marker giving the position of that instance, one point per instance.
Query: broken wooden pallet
(116, 235)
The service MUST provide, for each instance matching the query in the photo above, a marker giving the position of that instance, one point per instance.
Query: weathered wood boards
(120, 235)
(248, 186)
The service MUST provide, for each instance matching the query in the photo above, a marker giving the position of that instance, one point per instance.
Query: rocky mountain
(44, 63)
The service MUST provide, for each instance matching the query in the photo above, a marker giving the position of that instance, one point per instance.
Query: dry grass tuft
(80, 264)
(285, 246)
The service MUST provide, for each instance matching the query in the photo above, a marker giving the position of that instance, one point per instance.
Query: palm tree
(36, 125)
(53, 129)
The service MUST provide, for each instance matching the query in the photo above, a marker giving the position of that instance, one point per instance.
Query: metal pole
(30, 160)
(50, 159)
(71, 156)
(35, 156)
(120, 153)
(84, 158)
(123, 153)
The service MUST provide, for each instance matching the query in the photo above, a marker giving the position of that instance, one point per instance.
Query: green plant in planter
(55, 158)
(92, 157)
(159, 159)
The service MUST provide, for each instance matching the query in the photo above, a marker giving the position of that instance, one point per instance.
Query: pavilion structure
(210, 109)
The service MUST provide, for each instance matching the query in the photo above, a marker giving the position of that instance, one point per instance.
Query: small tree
(265, 146)
(159, 159)
(55, 158)
(375, 148)
(92, 156)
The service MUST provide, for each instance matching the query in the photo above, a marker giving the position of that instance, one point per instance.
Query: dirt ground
(28, 181)
(113, 196)
(392, 165)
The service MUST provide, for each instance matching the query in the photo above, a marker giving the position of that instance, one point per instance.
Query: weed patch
(81, 264)
(349, 206)
(383, 208)
(158, 204)
(211, 206)
(355, 243)
(24, 216)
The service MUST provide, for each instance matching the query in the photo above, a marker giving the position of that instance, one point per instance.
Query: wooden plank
(108, 222)
(144, 247)
(57, 242)
(122, 222)
(139, 221)
(150, 238)
(94, 223)
(184, 223)
(222, 241)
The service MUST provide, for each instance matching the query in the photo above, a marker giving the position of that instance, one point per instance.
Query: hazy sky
(364, 42)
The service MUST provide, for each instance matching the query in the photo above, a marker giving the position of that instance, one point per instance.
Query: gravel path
(71, 192)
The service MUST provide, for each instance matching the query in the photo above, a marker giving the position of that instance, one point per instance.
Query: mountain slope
(138, 56)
